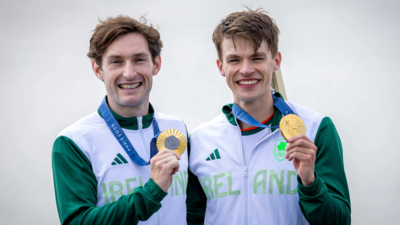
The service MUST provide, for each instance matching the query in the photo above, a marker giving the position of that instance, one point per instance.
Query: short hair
(108, 30)
(253, 24)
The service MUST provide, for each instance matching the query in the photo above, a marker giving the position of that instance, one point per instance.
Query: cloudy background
(340, 58)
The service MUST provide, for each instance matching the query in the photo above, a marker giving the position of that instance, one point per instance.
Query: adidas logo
(119, 160)
(213, 156)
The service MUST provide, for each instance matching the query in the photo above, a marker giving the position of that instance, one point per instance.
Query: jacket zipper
(245, 179)
(245, 173)
(267, 136)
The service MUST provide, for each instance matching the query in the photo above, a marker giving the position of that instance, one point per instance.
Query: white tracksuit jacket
(260, 191)
(116, 174)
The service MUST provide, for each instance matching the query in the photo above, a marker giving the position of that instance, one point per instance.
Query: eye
(115, 62)
(233, 61)
(140, 60)
(258, 59)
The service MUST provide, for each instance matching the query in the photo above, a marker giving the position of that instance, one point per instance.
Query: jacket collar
(131, 123)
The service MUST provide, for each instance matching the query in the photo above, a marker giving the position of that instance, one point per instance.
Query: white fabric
(223, 179)
(249, 141)
(92, 135)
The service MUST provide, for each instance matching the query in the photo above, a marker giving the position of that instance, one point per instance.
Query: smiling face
(248, 73)
(127, 71)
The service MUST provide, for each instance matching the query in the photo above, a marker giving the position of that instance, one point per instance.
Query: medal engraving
(173, 140)
(291, 125)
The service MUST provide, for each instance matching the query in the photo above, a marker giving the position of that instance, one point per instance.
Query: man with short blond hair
(106, 168)
(242, 170)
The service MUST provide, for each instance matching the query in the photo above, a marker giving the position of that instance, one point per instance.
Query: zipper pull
(245, 171)
(140, 121)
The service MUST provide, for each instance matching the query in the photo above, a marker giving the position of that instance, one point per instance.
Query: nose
(246, 68)
(129, 71)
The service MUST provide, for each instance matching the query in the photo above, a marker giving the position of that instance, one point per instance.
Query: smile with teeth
(248, 82)
(129, 86)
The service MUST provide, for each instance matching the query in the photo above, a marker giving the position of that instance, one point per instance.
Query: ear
(220, 67)
(278, 60)
(97, 70)
(157, 65)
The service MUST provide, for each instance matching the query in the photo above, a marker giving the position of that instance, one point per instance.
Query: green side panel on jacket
(327, 200)
(76, 191)
(196, 199)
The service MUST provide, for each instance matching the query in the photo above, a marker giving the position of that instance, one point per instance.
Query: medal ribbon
(243, 116)
(123, 140)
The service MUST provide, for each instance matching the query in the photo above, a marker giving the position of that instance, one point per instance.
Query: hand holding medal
(171, 144)
(300, 149)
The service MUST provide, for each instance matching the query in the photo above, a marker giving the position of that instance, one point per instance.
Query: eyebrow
(232, 56)
(262, 54)
(257, 54)
(134, 55)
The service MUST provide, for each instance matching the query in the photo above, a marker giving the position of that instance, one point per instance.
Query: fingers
(175, 165)
(301, 150)
(162, 166)
(162, 161)
(303, 153)
(166, 152)
(297, 137)
(302, 156)
(300, 141)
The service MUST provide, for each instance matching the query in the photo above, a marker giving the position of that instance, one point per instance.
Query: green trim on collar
(280, 95)
(131, 123)
(274, 121)
(227, 110)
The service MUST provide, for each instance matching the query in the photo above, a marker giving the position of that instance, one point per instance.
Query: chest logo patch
(279, 149)
(214, 155)
(119, 160)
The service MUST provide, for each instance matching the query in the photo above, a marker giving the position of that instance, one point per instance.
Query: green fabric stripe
(117, 160)
(217, 153)
(113, 163)
(208, 159)
(212, 156)
(122, 158)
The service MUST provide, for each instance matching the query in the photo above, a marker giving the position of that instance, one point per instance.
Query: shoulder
(311, 118)
(167, 117)
(306, 114)
(166, 121)
(212, 127)
(86, 125)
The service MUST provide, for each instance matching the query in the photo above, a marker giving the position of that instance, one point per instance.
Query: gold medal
(173, 140)
(291, 125)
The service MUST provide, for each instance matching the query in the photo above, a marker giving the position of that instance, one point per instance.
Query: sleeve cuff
(313, 189)
(154, 190)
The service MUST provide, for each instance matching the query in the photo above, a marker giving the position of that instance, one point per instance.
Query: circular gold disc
(173, 137)
(291, 125)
